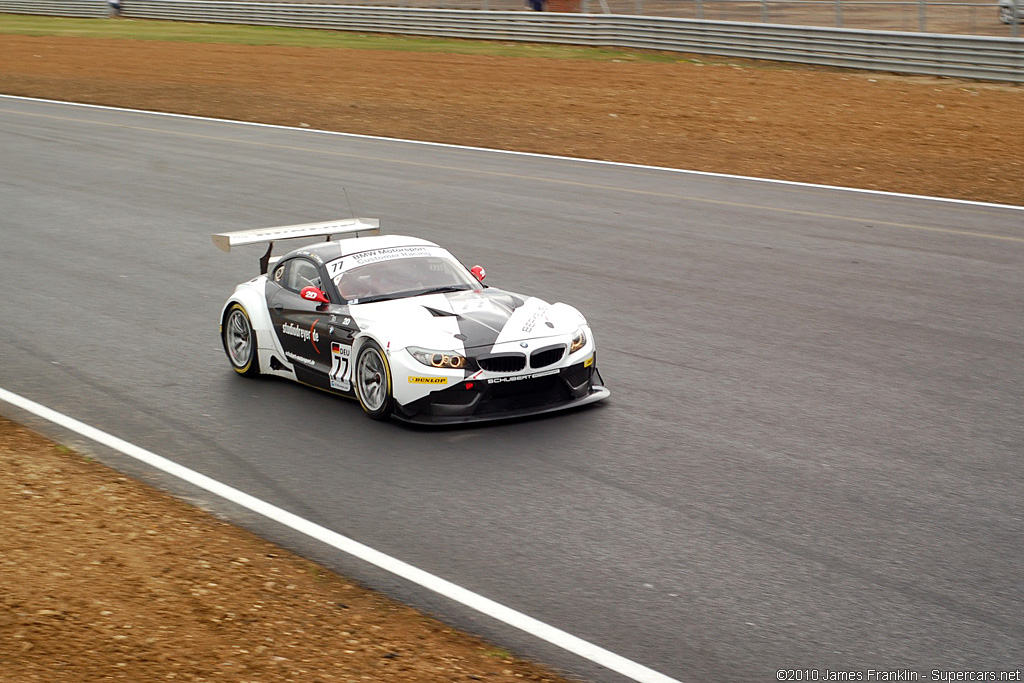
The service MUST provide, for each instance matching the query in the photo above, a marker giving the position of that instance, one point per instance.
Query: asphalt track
(812, 457)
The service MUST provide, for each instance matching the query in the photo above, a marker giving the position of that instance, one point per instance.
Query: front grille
(545, 357)
(503, 362)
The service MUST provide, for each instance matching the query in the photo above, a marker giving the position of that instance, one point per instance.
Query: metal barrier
(988, 58)
(88, 9)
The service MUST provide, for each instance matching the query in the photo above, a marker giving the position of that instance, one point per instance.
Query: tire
(373, 381)
(1007, 15)
(240, 342)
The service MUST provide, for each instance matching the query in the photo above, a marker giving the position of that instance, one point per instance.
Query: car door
(316, 337)
(301, 325)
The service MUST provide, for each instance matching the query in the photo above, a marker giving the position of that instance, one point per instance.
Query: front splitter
(597, 393)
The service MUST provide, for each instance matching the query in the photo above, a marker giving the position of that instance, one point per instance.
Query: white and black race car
(401, 325)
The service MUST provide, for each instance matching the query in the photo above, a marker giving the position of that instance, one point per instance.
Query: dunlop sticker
(428, 380)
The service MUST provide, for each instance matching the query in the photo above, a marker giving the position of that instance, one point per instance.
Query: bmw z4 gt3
(402, 326)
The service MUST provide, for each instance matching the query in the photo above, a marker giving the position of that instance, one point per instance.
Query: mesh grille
(509, 362)
(546, 357)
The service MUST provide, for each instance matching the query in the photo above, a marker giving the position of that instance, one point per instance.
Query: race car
(402, 326)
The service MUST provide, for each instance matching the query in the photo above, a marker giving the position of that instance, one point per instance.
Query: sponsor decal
(299, 359)
(428, 380)
(520, 378)
(588, 362)
(312, 255)
(310, 335)
(341, 368)
(532, 321)
(339, 266)
(389, 254)
(293, 330)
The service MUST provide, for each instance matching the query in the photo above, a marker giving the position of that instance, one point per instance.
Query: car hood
(475, 320)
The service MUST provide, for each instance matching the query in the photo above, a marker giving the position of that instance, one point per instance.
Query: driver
(355, 285)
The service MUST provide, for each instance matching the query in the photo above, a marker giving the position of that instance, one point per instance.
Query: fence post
(839, 13)
(922, 15)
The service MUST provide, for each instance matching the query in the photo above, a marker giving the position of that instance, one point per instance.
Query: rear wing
(351, 227)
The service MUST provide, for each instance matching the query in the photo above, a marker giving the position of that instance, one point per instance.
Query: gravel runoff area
(105, 578)
(920, 135)
(102, 577)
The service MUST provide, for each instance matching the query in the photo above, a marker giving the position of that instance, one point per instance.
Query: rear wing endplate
(351, 227)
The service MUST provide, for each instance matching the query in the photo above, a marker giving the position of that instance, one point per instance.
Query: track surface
(812, 454)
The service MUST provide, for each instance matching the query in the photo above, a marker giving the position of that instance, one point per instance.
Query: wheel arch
(251, 296)
(359, 343)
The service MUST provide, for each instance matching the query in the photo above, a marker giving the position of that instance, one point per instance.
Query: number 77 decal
(341, 368)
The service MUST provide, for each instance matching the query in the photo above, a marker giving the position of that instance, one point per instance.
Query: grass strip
(237, 34)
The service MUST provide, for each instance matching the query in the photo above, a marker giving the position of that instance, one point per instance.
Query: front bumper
(502, 398)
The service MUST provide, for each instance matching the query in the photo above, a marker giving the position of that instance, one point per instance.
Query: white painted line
(620, 164)
(507, 615)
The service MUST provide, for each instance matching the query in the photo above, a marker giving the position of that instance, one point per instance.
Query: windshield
(396, 273)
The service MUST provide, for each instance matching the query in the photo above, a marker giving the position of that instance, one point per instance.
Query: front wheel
(373, 381)
(240, 342)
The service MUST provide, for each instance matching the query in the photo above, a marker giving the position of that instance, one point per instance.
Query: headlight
(579, 340)
(446, 360)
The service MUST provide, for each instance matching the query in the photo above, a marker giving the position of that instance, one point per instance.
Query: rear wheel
(373, 381)
(240, 342)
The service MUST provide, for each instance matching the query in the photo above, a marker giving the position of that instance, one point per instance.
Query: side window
(299, 273)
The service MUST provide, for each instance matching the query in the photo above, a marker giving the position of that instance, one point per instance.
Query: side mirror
(478, 272)
(313, 294)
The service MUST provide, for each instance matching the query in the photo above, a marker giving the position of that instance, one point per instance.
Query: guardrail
(88, 9)
(980, 57)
